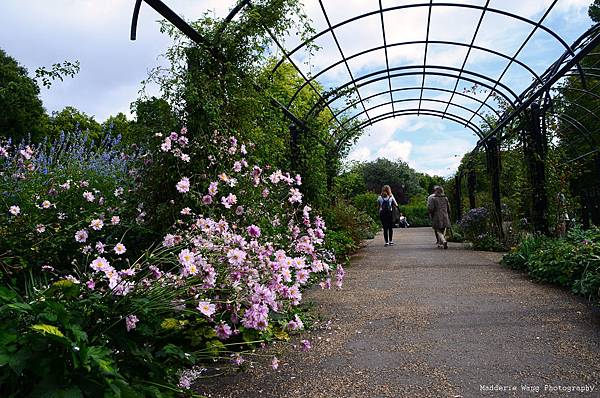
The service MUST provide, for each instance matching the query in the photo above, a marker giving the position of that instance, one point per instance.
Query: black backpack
(386, 206)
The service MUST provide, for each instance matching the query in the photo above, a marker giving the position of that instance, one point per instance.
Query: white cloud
(395, 150)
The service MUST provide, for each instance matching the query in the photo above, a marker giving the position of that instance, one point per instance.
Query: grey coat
(439, 211)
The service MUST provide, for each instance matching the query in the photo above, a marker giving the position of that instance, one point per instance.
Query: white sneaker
(391, 243)
(386, 244)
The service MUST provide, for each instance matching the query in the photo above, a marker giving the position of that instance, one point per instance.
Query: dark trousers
(388, 227)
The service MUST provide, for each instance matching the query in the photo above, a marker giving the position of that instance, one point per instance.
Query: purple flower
(305, 345)
(130, 322)
(253, 231)
(207, 199)
(236, 256)
(223, 331)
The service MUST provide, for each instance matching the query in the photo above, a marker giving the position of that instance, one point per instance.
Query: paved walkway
(416, 321)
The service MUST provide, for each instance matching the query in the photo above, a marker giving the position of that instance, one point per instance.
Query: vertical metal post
(458, 193)
(471, 184)
(492, 151)
(536, 160)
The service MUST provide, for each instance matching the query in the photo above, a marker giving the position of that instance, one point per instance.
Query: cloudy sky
(40, 33)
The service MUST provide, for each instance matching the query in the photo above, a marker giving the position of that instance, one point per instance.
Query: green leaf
(101, 357)
(66, 287)
(214, 347)
(48, 329)
(7, 294)
(20, 307)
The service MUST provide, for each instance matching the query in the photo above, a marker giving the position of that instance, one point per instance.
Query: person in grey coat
(438, 206)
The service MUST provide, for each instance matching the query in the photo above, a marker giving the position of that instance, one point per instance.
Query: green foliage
(416, 214)
(367, 203)
(477, 228)
(58, 72)
(573, 262)
(70, 120)
(341, 243)
(22, 111)
(403, 180)
(153, 115)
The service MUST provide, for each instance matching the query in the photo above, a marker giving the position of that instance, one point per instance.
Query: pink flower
(97, 224)
(88, 196)
(130, 322)
(236, 256)
(223, 331)
(298, 179)
(183, 186)
(169, 240)
(100, 264)
(212, 188)
(302, 276)
(14, 210)
(239, 210)
(91, 284)
(229, 201)
(166, 145)
(120, 248)
(305, 345)
(274, 363)
(253, 231)
(46, 204)
(81, 236)
(295, 196)
(40, 228)
(186, 257)
(207, 199)
(265, 192)
(186, 211)
(115, 220)
(206, 308)
(237, 167)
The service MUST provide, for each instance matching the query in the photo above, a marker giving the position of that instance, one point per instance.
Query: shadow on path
(416, 321)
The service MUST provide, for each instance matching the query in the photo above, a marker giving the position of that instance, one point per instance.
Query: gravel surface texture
(413, 320)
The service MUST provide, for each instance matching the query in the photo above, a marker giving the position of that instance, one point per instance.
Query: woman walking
(386, 203)
(438, 206)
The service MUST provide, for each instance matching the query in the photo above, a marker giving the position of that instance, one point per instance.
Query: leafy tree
(403, 180)
(594, 11)
(153, 115)
(118, 125)
(21, 112)
(70, 120)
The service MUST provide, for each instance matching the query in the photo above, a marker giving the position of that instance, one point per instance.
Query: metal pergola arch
(494, 86)
(540, 90)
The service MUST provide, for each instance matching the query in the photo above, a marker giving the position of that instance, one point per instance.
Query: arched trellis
(349, 122)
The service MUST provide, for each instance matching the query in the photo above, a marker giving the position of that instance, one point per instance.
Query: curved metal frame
(567, 64)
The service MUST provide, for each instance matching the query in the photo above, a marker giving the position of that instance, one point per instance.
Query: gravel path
(416, 321)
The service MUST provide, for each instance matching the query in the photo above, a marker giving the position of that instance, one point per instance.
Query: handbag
(395, 215)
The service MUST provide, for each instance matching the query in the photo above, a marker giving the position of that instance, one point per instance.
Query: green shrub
(367, 203)
(416, 215)
(340, 242)
(573, 262)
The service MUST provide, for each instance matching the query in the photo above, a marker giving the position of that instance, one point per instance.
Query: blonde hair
(386, 190)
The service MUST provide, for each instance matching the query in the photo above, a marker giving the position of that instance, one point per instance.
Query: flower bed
(101, 307)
